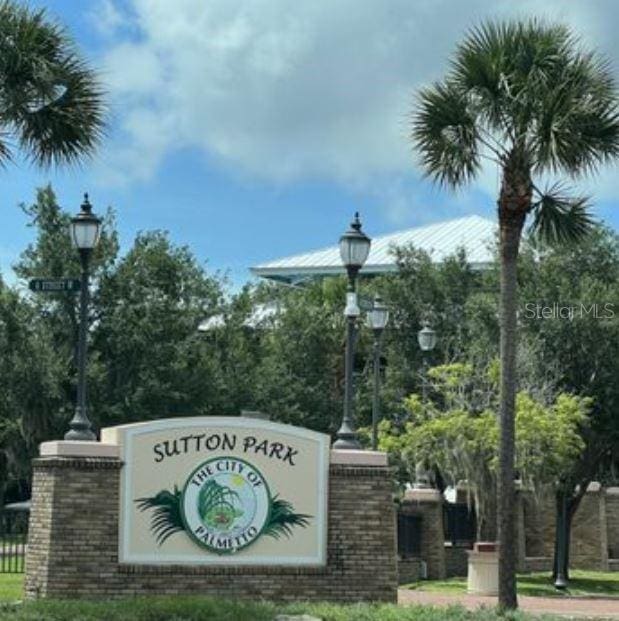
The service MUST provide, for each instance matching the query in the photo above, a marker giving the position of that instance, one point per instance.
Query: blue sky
(253, 130)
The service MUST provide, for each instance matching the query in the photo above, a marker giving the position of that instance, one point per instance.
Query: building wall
(73, 542)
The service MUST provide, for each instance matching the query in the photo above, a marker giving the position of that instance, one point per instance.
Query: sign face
(54, 285)
(218, 490)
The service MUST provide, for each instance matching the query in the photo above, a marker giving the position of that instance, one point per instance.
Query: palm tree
(50, 101)
(527, 97)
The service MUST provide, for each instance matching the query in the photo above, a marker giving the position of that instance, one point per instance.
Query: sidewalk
(572, 607)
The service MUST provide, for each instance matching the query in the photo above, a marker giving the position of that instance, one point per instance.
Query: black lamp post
(561, 582)
(354, 250)
(426, 337)
(85, 230)
(377, 320)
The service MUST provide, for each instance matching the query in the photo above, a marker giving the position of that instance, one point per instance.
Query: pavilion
(474, 234)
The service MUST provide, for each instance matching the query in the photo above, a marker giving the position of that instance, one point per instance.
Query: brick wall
(409, 570)
(456, 561)
(589, 541)
(612, 521)
(594, 533)
(537, 564)
(73, 543)
(594, 542)
(428, 503)
(539, 524)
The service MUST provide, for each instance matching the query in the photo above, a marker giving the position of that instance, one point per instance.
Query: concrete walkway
(574, 607)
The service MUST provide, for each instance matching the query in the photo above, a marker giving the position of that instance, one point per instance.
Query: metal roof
(260, 315)
(472, 233)
(24, 505)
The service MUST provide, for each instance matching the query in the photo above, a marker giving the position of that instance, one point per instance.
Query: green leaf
(444, 131)
(166, 518)
(560, 218)
(283, 519)
(51, 101)
(214, 496)
(519, 86)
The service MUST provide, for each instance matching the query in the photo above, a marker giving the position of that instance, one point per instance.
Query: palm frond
(70, 124)
(577, 127)
(507, 65)
(283, 519)
(531, 87)
(560, 218)
(50, 100)
(5, 150)
(444, 131)
(166, 517)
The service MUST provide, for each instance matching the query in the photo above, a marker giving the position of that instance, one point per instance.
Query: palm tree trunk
(511, 220)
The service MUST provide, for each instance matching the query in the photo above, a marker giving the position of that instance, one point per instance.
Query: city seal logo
(225, 504)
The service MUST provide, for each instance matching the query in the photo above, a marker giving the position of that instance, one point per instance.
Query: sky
(254, 129)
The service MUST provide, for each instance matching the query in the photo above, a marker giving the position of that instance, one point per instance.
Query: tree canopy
(149, 360)
(456, 431)
(525, 96)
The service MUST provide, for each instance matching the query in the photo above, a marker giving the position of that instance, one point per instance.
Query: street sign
(54, 285)
(365, 304)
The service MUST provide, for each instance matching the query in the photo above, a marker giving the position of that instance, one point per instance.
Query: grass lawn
(582, 583)
(209, 609)
(11, 587)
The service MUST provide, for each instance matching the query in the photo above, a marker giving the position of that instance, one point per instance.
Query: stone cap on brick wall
(78, 448)
(422, 494)
(594, 486)
(358, 458)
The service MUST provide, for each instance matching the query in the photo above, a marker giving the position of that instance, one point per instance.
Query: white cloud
(106, 18)
(286, 91)
(133, 71)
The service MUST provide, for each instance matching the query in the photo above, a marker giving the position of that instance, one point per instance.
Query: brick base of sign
(73, 543)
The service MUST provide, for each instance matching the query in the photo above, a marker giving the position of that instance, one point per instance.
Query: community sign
(221, 491)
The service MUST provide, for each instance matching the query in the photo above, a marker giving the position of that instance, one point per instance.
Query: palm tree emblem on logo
(225, 505)
(219, 506)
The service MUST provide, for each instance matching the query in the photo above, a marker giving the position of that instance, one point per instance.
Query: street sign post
(54, 285)
(365, 304)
